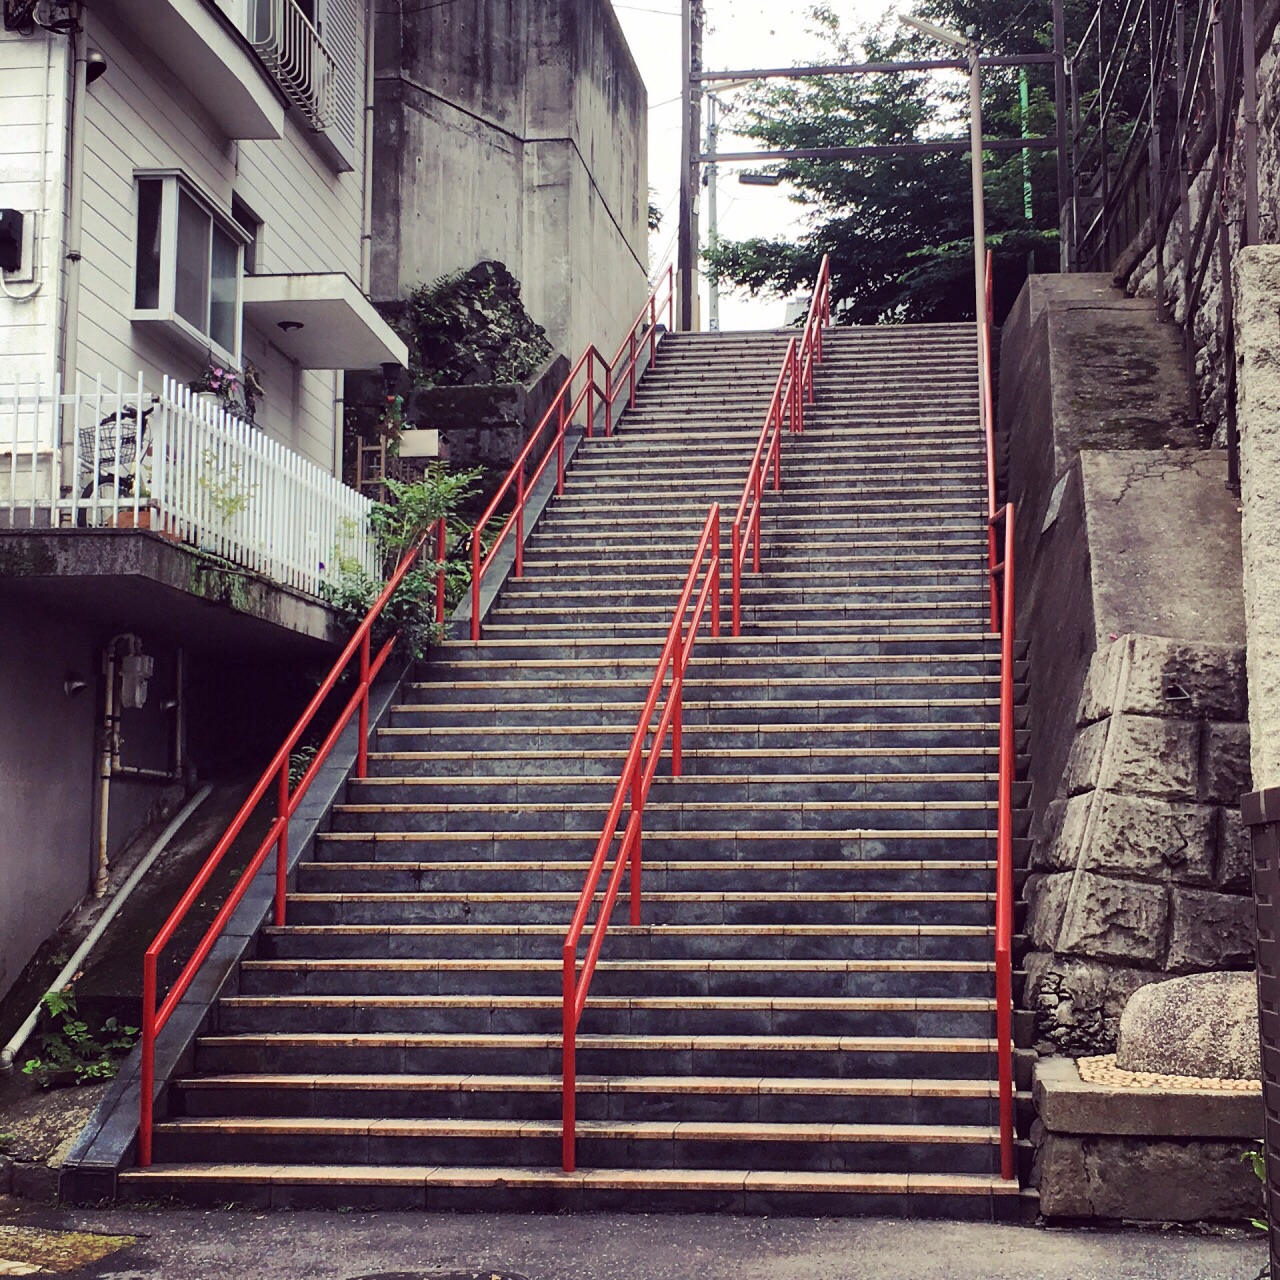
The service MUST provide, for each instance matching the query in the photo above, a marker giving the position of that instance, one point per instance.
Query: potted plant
(218, 385)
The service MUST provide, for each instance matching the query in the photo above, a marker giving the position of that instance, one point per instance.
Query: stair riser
(732, 846)
(235, 1020)
(592, 1152)
(430, 673)
(695, 945)
(852, 713)
(694, 766)
(319, 878)
(557, 911)
(638, 981)
(391, 1058)
(491, 1104)
(798, 791)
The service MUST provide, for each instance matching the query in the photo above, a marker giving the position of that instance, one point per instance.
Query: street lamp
(968, 45)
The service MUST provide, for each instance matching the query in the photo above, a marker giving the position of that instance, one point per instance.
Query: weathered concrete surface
(517, 133)
(1156, 568)
(1205, 1025)
(1258, 355)
(1068, 1105)
(1122, 523)
(191, 1245)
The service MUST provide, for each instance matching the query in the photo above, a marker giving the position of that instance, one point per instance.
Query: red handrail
(277, 772)
(792, 391)
(619, 372)
(1002, 620)
(634, 781)
(1004, 847)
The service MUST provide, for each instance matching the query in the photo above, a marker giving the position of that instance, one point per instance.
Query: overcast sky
(741, 34)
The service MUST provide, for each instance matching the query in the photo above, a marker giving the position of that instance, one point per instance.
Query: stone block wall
(1141, 865)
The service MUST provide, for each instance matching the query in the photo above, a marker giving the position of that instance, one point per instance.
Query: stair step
(447, 1188)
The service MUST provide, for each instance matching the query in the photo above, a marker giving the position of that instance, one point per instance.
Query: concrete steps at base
(981, 1197)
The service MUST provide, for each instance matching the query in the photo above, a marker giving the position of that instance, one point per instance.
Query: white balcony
(126, 457)
(321, 321)
(214, 60)
(291, 48)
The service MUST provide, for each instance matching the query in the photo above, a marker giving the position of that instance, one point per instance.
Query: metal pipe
(10, 1052)
(75, 211)
(107, 757)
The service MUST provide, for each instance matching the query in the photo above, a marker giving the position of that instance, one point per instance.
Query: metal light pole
(713, 195)
(969, 46)
(713, 209)
(690, 137)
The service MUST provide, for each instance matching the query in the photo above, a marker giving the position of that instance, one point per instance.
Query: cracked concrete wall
(1129, 577)
(516, 130)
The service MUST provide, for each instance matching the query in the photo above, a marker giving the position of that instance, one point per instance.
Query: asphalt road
(195, 1245)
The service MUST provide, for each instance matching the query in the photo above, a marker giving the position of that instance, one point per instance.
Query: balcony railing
(288, 43)
(122, 457)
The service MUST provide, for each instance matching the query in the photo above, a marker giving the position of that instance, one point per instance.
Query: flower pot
(147, 519)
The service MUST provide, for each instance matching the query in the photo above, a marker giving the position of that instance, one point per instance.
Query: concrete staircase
(804, 1022)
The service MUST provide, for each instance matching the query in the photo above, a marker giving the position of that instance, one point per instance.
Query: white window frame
(165, 313)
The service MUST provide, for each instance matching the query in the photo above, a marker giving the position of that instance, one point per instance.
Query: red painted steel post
(362, 744)
(715, 573)
(282, 844)
(653, 330)
(608, 399)
(148, 1058)
(631, 370)
(442, 549)
(1004, 861)
(797, 390)
(637, 807)
(591, 391)
(677, 698)
(520, 517)
(475, 586)
(776, 458)
(735, 572)
(568, 1064)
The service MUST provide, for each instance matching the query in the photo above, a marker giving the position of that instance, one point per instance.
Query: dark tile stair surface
(804, 1022)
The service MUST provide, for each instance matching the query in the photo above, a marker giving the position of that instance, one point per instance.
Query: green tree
(898, 227)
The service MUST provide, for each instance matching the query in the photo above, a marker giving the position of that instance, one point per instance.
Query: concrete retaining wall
(1129, 590)
(514, 130)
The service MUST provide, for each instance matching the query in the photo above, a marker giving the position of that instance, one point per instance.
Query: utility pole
(690, 138)
(713, 208)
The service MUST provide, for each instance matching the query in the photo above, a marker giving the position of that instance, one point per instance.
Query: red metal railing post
(735, 571)
(520, 518)
(442, 550)
(591, 391)
(631, 370)
(608, 399)
(362, 745)
(282, 844)
(475, 585)
(1004, 858)
(715, 573)
(653, 330)
(568, 1062)
(637, 813)
(677, 699)
(148, 1083)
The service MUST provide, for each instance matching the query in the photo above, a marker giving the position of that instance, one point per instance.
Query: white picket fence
(123, 457)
